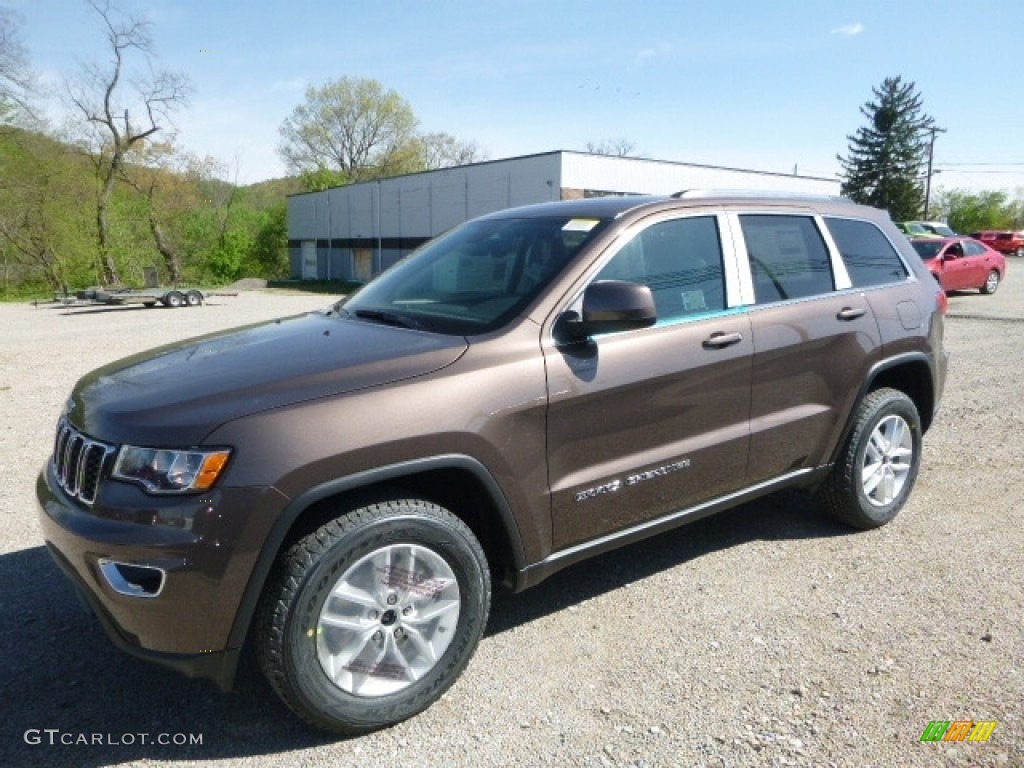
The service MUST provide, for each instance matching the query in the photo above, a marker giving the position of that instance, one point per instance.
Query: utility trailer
(169, 297)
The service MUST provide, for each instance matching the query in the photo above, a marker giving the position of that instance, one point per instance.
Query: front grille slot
(79, 462)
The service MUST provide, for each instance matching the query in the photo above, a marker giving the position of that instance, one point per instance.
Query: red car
(1004, 241)
(961, 262)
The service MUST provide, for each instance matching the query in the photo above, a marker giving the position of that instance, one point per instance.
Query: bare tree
(16, 77)
(121, 114)
(615, 147)
(442, 150)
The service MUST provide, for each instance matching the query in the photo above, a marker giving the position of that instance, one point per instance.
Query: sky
(770, 86)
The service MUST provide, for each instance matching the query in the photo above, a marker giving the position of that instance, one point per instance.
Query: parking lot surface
(766, 635)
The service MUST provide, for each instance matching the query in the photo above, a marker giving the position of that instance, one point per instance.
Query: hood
(175, 395)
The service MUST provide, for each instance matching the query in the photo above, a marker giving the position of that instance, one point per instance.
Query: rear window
(927, 250)
(869, 256)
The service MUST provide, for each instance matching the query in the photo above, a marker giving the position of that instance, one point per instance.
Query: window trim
(840, 276)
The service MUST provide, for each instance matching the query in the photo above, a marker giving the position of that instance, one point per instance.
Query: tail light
(943, 301)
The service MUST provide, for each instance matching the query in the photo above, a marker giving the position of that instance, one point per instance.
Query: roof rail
(690, 194)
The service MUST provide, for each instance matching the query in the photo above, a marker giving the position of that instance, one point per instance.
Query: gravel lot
(766, 635)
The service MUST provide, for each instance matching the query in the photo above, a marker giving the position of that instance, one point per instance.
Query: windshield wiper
(389, 318)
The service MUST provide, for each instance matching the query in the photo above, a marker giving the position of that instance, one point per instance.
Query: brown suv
(532, 388)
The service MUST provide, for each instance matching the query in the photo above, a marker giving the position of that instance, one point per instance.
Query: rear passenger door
(813, 335)
(647, 422)
(979, 263)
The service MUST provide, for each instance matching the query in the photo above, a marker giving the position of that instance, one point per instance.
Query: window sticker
(580, 225)
(693, 301)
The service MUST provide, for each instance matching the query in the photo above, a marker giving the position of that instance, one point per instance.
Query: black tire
(991, 283)
(193, 298)
(300, 634)
(844, 493)
(174, 299)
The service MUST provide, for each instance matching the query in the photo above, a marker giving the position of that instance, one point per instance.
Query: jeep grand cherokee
(532, 388)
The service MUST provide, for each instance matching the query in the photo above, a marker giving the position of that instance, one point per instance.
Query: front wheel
(991, 282)
(373, 616)
(879, 462)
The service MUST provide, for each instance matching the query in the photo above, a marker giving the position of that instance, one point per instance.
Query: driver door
(646, 422)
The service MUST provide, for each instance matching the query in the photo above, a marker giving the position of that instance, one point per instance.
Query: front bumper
(184, 563)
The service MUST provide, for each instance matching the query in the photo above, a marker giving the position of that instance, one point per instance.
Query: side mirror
(610, 306)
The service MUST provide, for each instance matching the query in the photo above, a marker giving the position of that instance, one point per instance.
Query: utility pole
(928, 178)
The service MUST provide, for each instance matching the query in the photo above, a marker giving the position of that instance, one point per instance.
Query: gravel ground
(766, 635)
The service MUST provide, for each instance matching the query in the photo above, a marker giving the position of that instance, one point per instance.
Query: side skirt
(556, 561)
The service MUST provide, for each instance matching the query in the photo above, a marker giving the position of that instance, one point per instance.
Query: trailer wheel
(193, 298)
(174, 299)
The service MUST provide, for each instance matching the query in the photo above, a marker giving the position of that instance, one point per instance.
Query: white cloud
(646, 54)
(849, 30)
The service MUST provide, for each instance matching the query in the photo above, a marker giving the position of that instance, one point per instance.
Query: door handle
(850, 313)
(718, 340)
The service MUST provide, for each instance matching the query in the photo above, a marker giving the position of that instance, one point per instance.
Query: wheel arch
(911, 374)
(459, 483)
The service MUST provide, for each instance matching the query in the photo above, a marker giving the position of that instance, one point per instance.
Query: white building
(356, 231)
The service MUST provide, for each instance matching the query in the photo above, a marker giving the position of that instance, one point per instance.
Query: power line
(961, 164)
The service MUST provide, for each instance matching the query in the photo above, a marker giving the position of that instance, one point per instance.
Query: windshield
(927, 250)
(914, 228)
(475, 278)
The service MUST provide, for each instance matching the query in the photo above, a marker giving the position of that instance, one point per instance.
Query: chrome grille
(79, 462)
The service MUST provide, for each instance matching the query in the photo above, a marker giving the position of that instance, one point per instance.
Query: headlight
(160, 470)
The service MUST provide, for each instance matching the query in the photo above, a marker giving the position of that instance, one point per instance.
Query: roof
(558, 152)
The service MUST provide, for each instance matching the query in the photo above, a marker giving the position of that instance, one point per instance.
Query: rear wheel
(193, 298)
(373, 616)
(174, 299)
(991, 282)
(879, 463)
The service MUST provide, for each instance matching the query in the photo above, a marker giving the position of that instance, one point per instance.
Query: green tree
(968, 212)
(270, 243)
(353, 126)
(885, 162)
(353, 130)
(44, 230)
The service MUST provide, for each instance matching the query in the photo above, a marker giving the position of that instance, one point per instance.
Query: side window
(869, 256)
(973, 249)
(680, 260)
(788, 258)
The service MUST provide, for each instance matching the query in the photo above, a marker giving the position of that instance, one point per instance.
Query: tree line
(111, 192)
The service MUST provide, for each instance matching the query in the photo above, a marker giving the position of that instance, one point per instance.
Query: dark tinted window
(788, 258)
(681, 262)
(869, 256)
(927, 249)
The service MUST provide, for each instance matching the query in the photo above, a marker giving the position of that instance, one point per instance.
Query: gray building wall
(355, 232)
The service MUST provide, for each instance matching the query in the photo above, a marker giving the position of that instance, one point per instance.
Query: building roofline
(677, 163)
